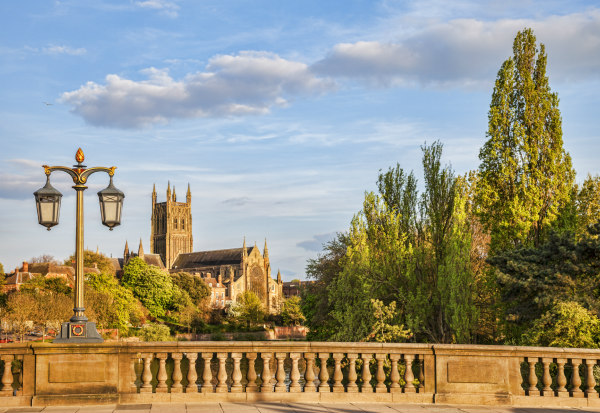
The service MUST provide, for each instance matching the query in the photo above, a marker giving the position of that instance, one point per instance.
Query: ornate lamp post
(47, 199)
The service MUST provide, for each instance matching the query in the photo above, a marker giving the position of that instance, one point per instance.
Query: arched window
(182, 223)
(175, 222)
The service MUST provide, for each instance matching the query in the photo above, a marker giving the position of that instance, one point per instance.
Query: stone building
(237, 270)
(171, 226)
(228, 272)
(150, 259)
(27, 271)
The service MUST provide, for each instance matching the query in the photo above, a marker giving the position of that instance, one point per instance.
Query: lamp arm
(79, 176)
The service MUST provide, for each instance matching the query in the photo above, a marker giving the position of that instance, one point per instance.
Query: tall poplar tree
(525, 174)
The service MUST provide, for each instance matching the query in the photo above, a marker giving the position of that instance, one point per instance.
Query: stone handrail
(66, 374)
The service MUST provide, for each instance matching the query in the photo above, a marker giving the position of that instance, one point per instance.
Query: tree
(49, 285)
(292, 313)
(155, 332)
(152, 286)
(382, 331)
(21, 311)
(197, 289)
(248, 309)
(1, 274)
(587, 204)
(525, 174)
(44, 258)
(51, 310)
(534, 280)
(91, 258)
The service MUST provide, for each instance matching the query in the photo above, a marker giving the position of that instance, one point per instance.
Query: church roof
(231, 256)
(154, 259)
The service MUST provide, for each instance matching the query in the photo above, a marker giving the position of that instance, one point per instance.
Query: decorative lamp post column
(47, 199)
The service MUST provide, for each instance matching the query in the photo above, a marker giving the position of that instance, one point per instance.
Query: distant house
(293, 288)
(46, 269)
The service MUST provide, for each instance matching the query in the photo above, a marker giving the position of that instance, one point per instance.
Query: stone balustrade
(65, 374)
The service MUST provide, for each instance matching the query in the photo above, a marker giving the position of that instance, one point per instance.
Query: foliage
(50, 285)
(587, 204)
(292, 313)
(1, 274)
(315, 297)
(382, 331)
(248, 309)
(197, 289)
(90, 258)
(155, 332)
(153, 287)
(21, 310)
(533, 280)
(566, 324)
(44, 258)
(113, 305)
(525, 174)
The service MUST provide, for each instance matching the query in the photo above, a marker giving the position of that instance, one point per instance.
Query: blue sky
(278, 113)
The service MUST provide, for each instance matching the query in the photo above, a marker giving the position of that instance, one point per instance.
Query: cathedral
(228, 272)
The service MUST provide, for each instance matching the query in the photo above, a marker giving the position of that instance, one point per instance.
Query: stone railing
(63, 374)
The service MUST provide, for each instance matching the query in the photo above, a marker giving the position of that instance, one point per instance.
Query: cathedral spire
(188, 197)
(153, 194)
(141, 250)
(174, 195)
(278, 276)
(266, 250)
(244, 249)
(169, 191)
(126, 251)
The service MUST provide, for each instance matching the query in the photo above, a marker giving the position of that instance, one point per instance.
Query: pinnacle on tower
(278, 276)
(244, 249)
(188, 196)
(174, 195)
(153, 194)
(266, 250)
(141, 250)
(169, 191)
(126, 251)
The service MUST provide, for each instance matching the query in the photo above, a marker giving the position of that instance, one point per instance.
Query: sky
(279, 114)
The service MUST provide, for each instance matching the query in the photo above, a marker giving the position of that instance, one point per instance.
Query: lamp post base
(78, 332)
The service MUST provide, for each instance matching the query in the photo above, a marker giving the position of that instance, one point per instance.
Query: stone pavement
(290, 408)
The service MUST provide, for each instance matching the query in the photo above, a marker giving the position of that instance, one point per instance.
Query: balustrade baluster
(265, 376)
(546, 378)
(251, 387)
(561, 379)
(176, 387)
(161, 387)
(590, 380)
(207, 386)
(222, 375)
(309, 374)
(295, 373)
(395, 374)
(533, 390)
(323, 373)
(366, 373)
(409, 377)
(576, 379)
(7, 376)
(19, 372)
(236, 376)
(280, 373)
(135, 358)
(421, 361)
(192, 375)
(352, 387)
(147, 374)
(337, 373)
(380, 376)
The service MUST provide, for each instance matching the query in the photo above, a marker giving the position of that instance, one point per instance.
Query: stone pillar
(352, 387)
(576, 379)
(222, 375)
(192, 376)
(590, 391)
(324, 374)
(146, 374)
(236, 376)
(266, 386)
(309, 374)
(161, 387)
(295, 373)
(176, 387)
(337, 373)
(546, 378)
(207, 386)
(280, 374)
(134, 360)
(366, 373)
(409, 376)
(380, 376)
(561, 379)
(251, 386)
(532, 379)
(395, 374)
(7, 376)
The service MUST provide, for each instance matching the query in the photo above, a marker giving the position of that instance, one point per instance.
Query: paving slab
(203, 408)
(239, 408)
(342, 408)
(97, 409)
(168, 408)
(408, 408)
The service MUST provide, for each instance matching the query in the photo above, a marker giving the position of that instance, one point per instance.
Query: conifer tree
(525, 173)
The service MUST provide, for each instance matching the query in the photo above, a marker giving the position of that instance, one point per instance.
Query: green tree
(533, 280)
(385, 329)
(91, 258)
(155, 332)
(152, 286)
(525, 174)
(197, 289)
(22, 310)
(50, 285)
(248, 309)
(292, 313)
(566, 324)
(1, 274)
(587, 204)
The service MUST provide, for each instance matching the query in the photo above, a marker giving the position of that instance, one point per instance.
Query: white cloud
(466, 52)
(62, 49)
(245, 84)
(168, 8)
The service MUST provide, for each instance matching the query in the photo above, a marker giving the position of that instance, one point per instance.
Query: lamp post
(47, 199)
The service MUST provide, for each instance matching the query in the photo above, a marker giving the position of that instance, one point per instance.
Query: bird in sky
(47, 104)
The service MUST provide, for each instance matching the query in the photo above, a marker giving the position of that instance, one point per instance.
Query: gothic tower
(171, 226)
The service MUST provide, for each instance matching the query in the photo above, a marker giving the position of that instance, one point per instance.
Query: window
(175, 222)
(182, 223)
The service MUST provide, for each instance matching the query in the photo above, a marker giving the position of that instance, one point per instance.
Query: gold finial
(79, 157)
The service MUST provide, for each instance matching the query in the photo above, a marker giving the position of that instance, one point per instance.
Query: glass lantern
(47, 201)
(111, 205)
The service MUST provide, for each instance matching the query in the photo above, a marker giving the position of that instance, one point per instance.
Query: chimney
(25, 266)
(219, 279)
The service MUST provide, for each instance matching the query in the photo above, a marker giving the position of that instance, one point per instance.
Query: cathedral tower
(171, 226)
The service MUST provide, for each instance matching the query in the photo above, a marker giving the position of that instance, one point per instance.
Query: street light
(47, 200)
